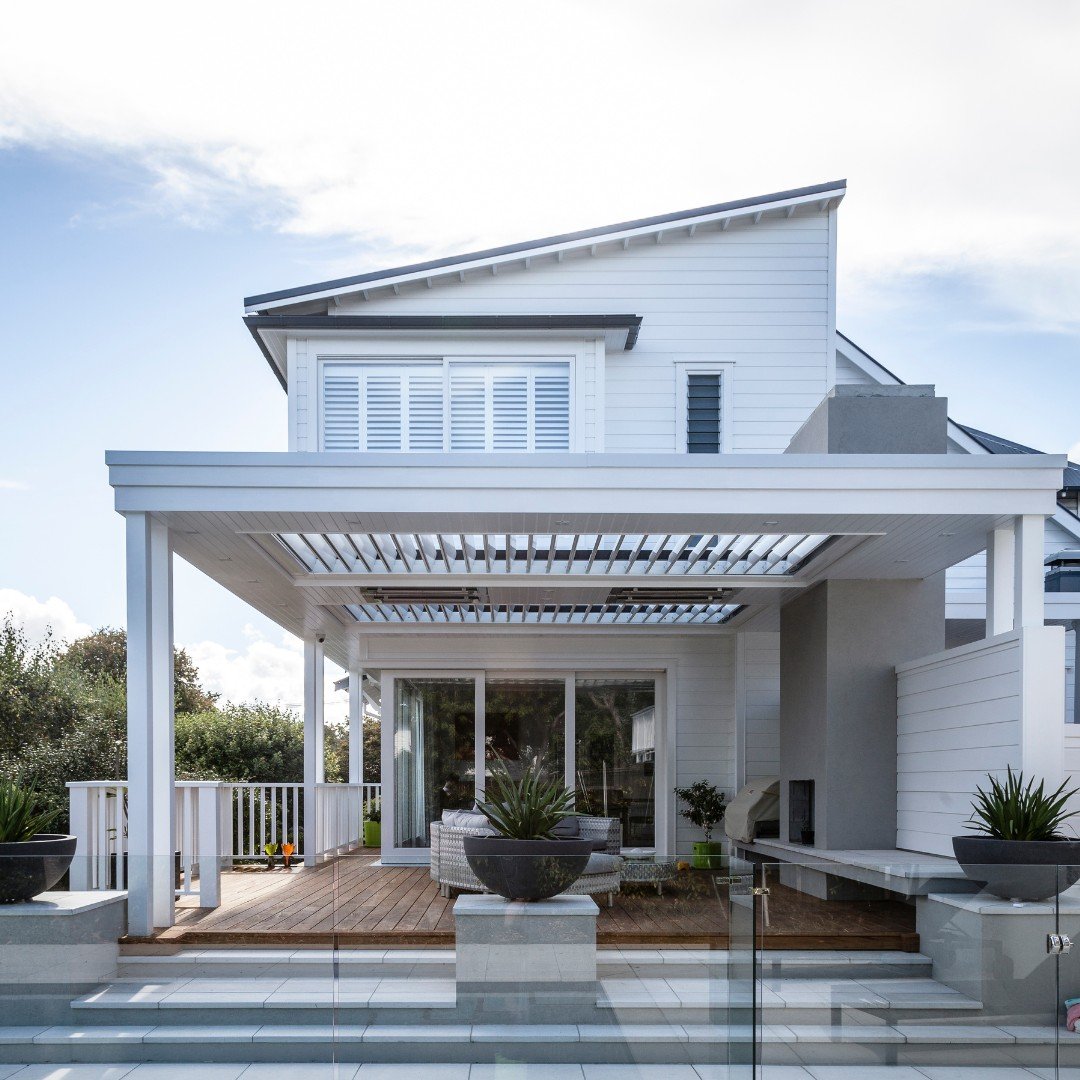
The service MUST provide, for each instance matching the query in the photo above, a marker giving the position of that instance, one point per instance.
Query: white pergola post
(1000, 569)
(356, 725)
(151, 771)
(314, 746)
(1028, 603)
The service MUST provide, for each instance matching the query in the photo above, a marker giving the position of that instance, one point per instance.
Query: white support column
(314, 746)
(1000, 560)
(356, 725)
(151, 771)
(1028, 605)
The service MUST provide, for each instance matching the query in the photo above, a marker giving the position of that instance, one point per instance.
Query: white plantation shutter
(341, 412)
(468, 409)
(499, 406)
(509, 411)
(382, 410)
(551, 409)
(425, 409)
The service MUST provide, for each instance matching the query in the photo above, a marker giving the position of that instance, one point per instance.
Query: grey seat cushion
(602, 863)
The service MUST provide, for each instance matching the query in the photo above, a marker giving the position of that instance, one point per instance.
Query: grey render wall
(841, 641)
(875, 420)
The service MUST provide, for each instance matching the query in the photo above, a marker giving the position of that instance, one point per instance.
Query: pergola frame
(896, 516)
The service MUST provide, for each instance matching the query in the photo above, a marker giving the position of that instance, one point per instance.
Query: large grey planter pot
(1020, 869)
(34, 866)
(526, 869)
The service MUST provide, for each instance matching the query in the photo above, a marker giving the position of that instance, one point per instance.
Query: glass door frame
(662, 676)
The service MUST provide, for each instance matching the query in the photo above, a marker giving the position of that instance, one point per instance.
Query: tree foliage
(63, 718)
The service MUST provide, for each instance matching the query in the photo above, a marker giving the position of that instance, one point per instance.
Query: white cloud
(263, 671)
(36, 616)
(428, 127)
(12, 485)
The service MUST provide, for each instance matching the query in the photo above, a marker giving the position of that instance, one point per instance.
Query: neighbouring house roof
(834, 189)
(995, 444)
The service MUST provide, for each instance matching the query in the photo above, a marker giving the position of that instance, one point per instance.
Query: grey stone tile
(866, 1072)
(160, 1070)
(427, 1033)
(373, 1070)
(75, 1072)
(639, 1072)
(94, 1035)
(972, 1072)
(13, 1036)
(300, 1070)
(225, 1033)
(508, 1070)
(533, 1033)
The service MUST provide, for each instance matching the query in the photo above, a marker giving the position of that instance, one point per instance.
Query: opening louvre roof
(596, 556)
(608, 614)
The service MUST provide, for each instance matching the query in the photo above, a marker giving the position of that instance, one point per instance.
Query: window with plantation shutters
(499, 406)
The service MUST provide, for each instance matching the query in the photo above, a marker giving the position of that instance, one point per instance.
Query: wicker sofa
(450, 868)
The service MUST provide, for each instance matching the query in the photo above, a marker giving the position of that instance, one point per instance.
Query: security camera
(320, 638)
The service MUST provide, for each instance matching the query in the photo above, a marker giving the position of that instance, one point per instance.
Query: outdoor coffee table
(650, 869)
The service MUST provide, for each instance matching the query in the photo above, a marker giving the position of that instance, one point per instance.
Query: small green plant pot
(707, 856)
(372, 834)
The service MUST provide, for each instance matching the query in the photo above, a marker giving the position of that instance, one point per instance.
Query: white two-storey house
(624, 500)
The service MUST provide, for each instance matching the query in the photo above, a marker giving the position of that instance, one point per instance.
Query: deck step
(810, 1044)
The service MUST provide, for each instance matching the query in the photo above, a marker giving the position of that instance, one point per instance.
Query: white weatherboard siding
(967, 712)
(702, 669)
(759, 704)
(754, 295)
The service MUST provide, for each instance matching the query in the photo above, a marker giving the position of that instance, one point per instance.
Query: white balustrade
(215, 824)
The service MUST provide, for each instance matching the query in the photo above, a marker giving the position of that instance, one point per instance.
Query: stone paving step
(433, 962)
(814, 1048)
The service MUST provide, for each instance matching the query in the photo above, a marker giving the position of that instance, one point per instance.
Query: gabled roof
(757, 205)
(995, 444)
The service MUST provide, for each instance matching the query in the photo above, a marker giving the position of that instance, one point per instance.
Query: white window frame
(399, 353)
(684, 368)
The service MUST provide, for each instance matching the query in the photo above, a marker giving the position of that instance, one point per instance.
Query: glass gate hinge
(759, 890)
(1058, 944)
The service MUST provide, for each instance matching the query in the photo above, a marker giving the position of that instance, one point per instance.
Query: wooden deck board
(353, 901)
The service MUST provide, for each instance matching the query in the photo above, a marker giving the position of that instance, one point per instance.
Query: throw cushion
(465, 819)
(568, 826)
(602, 863)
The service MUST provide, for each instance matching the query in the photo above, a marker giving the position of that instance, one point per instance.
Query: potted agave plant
(373, 823)
(1020, 851)
(705, 807)
(32, 859)
(526, 860)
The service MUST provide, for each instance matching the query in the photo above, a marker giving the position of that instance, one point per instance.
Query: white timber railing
(215, 824)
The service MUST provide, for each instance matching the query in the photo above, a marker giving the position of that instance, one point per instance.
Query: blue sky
(148, 184)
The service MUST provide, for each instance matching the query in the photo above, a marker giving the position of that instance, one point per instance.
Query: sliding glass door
(615, 753)
(598, 734)
(525, 724)
(434, 753)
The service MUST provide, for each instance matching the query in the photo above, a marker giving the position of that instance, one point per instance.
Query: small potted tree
(526, 860)
(373, 823)
(1020, 851)
(32, 860)
(705, 806)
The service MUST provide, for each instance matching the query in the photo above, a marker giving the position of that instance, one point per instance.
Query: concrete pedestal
(526, 962)
(54, 948)
(995, 952)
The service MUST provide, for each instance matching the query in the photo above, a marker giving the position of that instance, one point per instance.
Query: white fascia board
(463, 486)
(881, 375)
(825, 200)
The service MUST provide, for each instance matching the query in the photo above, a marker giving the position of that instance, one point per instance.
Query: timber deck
(352, 901)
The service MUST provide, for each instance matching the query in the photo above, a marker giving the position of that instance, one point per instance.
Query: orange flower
(287, 849)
